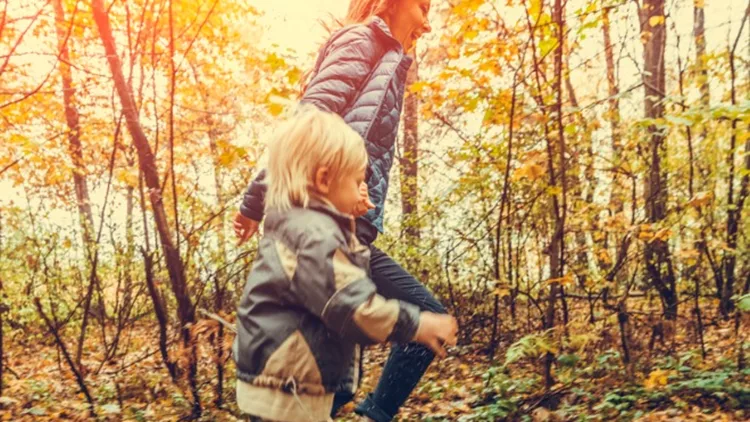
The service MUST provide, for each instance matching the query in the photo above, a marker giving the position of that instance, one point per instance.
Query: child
(308, 303)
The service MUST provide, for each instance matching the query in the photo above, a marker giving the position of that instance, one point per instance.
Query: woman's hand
(244, 227)
(364, 203)
(436, 331)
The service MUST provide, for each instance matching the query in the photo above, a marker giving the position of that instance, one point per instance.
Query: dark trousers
(407, 362)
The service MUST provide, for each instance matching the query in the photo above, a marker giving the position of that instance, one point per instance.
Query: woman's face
(409, 21)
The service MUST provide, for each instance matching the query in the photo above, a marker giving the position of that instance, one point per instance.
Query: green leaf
(111, 408)
(743, 303)
(547, 45)
(36, 411)
(680, 121)
(568, 360)
(532, 345)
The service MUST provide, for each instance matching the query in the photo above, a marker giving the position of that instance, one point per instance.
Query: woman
(360, 74)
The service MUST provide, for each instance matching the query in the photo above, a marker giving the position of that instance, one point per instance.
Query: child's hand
(436, 331)
(244, 227)
(364, 203)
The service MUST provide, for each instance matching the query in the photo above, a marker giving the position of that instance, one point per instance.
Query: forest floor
(591, 385)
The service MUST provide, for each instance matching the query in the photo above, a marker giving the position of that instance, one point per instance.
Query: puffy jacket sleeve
(343, 69)
(330, 286)
(253, 201)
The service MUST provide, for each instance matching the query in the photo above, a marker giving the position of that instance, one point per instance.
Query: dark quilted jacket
(360, 74)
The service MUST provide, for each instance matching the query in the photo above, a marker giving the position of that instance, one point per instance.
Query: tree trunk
(3, 309)
(172, 81)
(691, 271)
(185, 310)
(557, 247)
(699, 33)
(220, 281)
(618, 193)
(79, 172)
(409, 163)
(734, 217)
(161, 314)
(658, 257)
(584, 191)
(504, 204)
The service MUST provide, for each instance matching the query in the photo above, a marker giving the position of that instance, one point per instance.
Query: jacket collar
(378, 24)
(346, 222)
(321, 205)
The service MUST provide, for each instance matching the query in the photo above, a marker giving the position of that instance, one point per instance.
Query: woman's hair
(309, 140)
(362, 10)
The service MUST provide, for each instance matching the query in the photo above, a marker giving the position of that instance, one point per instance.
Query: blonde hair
(301, 145)
(360, 11)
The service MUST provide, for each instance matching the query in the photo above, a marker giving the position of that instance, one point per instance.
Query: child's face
(342, 191)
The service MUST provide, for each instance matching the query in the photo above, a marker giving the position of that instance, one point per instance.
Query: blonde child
(309, 303)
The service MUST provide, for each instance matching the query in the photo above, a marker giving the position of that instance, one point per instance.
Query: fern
(530, 346)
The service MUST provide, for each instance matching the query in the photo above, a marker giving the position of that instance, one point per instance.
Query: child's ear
(322, 180)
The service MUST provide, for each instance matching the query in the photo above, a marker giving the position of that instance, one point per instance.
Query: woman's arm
(253, 202)
(248, 218)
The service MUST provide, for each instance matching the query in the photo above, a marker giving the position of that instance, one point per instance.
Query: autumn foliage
(574, 181)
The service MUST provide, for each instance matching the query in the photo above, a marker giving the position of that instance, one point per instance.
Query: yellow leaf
(699, 4)
(688, 253)
(645, 235)
(604, 256)
(488, 65)
(535, 8)
(689, 256)
(554, 190)
(417, 87)
(530, 170)
(294, 75)
(226, 158)
(656, 378)
(645, 37)
(502, 291)
(656, 21)
(663, 234)
(701, 199)
(275, 109)
(565, 280)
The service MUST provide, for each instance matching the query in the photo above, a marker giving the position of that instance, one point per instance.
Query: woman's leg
(406, 363)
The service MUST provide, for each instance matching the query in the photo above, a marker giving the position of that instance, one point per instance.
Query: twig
(64, 350)
(221, 320)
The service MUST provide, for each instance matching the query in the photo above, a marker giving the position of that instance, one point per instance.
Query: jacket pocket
(293, 360)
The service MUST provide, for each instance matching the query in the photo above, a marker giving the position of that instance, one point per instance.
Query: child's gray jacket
(307, 304)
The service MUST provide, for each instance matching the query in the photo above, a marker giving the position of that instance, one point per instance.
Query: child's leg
(340, 399)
